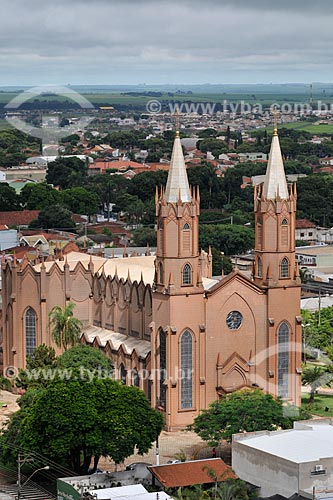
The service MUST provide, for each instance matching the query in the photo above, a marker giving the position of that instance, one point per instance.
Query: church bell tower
(178, 303)
(275, 270)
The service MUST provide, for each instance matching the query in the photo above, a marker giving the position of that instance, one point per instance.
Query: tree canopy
(53, 217)
(230, 239)
(8, 198)
(43, 358)
(84, 356)
(67, 172)
(73, 422)
(247, 410)
(318, 330)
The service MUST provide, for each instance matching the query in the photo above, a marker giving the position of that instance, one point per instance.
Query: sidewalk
(170, 443)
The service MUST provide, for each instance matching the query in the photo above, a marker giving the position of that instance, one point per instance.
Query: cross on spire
(177, 121)
(177, 187)
(275, 130)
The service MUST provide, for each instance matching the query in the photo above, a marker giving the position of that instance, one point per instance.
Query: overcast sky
(174, 41)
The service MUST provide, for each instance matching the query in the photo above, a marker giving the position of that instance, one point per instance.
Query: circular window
(234, 320)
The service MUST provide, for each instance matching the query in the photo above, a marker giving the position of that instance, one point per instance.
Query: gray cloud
(130, 41)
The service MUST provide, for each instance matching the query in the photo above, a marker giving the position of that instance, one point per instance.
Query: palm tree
(227, 491)
(315, 378)
(65, 329)
(192, 493)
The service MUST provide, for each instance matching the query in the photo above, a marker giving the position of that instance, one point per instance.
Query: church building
(171, 329)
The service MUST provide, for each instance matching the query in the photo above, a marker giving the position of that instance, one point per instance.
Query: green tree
(42, 358)
(192, 493)
(230, 239)
(208, 132)
(79, 200)
(315, 377)
(65, 328)
(144, 236)
(39, 196)
(9, 200)
(53, 217)
(67, 172)
(215, 146)
(10, 438)
(319, 329)
(232, 490)
(144, 184)
(86, 357)
(212, 193)
(311, 191)
(248, 410)
(220, 263)
(73, 422)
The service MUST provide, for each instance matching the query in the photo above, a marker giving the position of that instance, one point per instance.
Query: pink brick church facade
(181, 336)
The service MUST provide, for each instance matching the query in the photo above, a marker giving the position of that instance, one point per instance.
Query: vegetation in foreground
(73, 415)
(232, 489)
(321, 406)
(247, 410)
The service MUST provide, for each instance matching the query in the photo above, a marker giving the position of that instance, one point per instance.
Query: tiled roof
(158, 166)
(304, 224)
(17, 218)
(117, 165)
(20, 252)
(193, 472)
(78, 219)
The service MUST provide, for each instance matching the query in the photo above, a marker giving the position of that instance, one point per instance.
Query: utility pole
(157, 450)
(19, 477)
(319, 306)
(21, 461)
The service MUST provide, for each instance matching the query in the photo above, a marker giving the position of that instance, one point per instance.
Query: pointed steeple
(177, 185)
(275, 185)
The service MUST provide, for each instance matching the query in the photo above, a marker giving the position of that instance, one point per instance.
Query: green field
(319, 405)
(141, 98)
(4, 124)
(307, 127)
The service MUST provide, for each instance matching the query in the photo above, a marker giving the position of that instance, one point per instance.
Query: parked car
(97, 471)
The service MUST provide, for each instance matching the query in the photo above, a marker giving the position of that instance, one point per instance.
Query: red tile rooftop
(304, 224)
(17, 218)
(192, 472)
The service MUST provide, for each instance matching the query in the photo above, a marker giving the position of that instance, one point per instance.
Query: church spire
(177, 184)
(275, 185)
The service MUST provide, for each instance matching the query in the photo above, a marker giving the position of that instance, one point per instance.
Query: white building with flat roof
(131, 492)
(287, 462)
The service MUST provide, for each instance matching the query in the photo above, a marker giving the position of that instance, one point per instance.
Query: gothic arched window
(259, 267)
(283, 360)
(123, 374)
(187, 275)
(186, 226)
(136, 378)
(285, 222)
(186, 365)
(161, 235)
(163, 368)
(284, 268)
(161, 273)
(30, 331)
